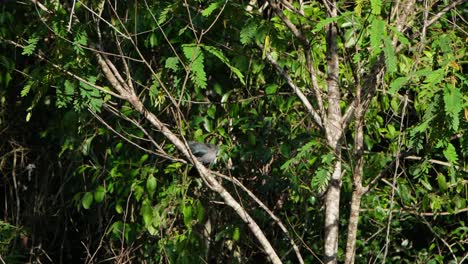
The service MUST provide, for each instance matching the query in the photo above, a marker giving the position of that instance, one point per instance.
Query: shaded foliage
(84, 192)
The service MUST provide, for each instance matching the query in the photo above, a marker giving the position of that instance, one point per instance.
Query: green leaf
(436, 202)
(87, 200)
(404, 193)
(29, 49)
(144, 158)
(80, 40)
(247, 34)
(195, 56)
(147, 212)
(397, 84)
(26, 88)
(271, 89)
(86, 146)
(442, 182)
(211, 111)
(453, 105)
(376, 34)
(28, 116)
(99, 193)
(188, 217)
(65, 95)
(358, 7)
(118, 208)
(390, 59)
(324, 22)
(236, 234)
(218, 53)
(172, 63)
(426, 184)
(212, 7)
(91, 94)
(266, 46)
(163, 16)
(320, 180)
(153, 40)
(451, 154)
(302, 153)
(376, 6)
(151, 184)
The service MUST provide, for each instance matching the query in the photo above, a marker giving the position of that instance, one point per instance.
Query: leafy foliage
(99, 181)
(195, 55)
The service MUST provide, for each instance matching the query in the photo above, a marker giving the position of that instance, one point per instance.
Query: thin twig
(443, 11)
(439, 162)
(415, 212)
(395, 175)
(71, 17)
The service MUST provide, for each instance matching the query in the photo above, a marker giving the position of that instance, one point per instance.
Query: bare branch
(268, 211)
(444, 10)
(41, 6)
(182, 146)
(439, 162)
(302, 97)
(104, 20)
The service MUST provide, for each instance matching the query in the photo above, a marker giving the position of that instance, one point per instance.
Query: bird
(205, 153)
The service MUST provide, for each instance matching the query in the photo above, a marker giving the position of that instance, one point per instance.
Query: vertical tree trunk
(334, 132)
(332, 213)
(358, 190)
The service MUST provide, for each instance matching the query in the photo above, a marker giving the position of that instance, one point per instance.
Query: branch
(443, 11)
(302, 97)
(439, 162)
(182, 146)
(267, 210)
(384, 171)
(414, 212)
(41, 6)
(60, 68)
(310, 67)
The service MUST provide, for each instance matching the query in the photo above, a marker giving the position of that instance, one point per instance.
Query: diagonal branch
(310, 67)
(205, 174)
(302, 97)
(236, 182)
(443, 11)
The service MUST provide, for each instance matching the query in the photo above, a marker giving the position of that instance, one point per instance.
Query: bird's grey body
(205, 153)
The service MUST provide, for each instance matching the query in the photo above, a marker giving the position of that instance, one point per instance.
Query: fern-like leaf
(212, 7)
(91, 95)
(26, 89)
(163, 16)
(376, 7)
(247, 34)
(303, 152)
(453, 105)
(320, 180)
(195, 55)
(397, 84)
(172, 63)
(376, 33)
(390, 59)
(451, 154)
(29, 49)
(219, 54)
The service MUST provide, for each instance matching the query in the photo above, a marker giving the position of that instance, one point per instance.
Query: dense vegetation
(342, 127)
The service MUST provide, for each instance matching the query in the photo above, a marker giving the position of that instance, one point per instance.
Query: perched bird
(205, 153)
